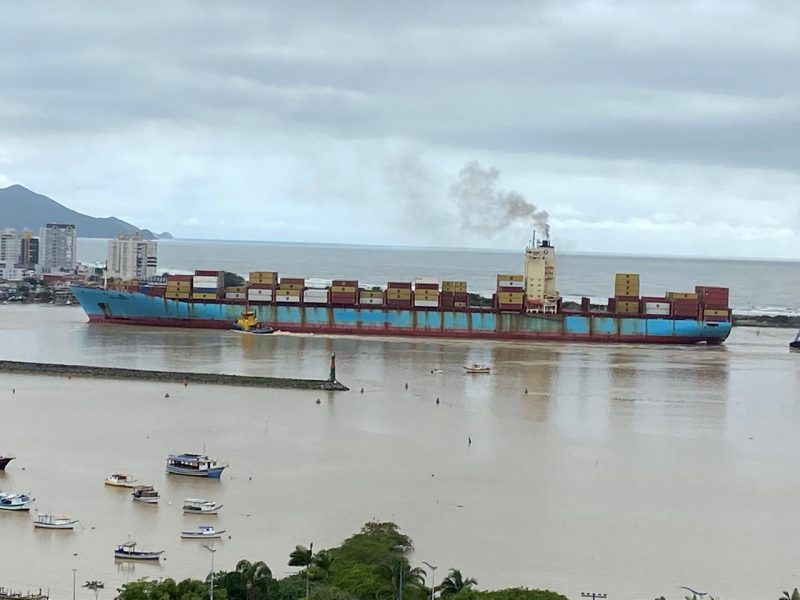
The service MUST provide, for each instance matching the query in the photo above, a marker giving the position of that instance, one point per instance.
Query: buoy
(526, 390)
(406, 385)
(319, 401)
(14, 390)
(362, 390)
(437, 401)
(166, 395)
(469, 440)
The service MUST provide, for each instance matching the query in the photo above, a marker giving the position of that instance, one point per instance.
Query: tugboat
(4, 460)
(249, 323)
(195, 465)
(795, 345)
(128, 551)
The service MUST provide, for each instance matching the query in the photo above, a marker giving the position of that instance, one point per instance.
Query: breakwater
(60, 370)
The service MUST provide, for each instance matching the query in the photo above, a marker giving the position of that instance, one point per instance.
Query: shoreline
(186, 377)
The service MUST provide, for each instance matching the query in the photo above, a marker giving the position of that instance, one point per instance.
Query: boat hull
(68, 526)
(146, 500)
(214, 473)
(138, 556)
(198, 536)
(135, 308)
(4, 462)
(18, 507)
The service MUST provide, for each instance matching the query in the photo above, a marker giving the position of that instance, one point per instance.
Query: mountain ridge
(23, 208)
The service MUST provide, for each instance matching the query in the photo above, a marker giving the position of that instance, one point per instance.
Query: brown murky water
(628, 470)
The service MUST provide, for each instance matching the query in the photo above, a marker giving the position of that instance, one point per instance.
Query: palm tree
(302, 557)
(323, 561)
(795, 595)
(95, 586)
(454, 583)
(250, 575)
(412, 579)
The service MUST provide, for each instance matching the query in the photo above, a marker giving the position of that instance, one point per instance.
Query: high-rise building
(10, 245)
(29, 251)
(58, 251)
(131, 257)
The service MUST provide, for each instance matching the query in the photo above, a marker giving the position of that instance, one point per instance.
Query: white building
(58, 248)
(10, 245)
(131, 257)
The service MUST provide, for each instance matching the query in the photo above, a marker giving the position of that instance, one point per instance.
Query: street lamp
(433, 575)
(211, 585)
(402, 549)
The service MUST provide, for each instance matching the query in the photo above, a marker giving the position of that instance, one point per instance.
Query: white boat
(476, 368)
(146, 494)
(128, 551)
(15, 501)
(121, 480)
(195, 465)
(54, 522)
(200, 506)
(202, 532)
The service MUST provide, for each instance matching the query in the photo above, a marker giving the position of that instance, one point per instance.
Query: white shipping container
(313, 300)
(657, 312)
(316, 292)
(656, 305)
(282, 298)
(510, 283)
(206, 278)
(235, 295)
(426, 303)
(377, 301)
(259, 295)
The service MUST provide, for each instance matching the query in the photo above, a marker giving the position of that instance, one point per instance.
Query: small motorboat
(795, 345)
(436, 371)
(121, 480)
(146, 494)
(15, 501)
(249, 323)
(200, 506)
(203, 532)
(128, 551)
(476, 368)
(54, 522)
(4, 460)
(196, 465)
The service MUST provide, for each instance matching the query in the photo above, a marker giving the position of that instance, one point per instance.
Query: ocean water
(630, 470)
(759, 287)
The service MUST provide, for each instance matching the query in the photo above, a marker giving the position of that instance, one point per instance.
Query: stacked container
(261, 288)
(290, 290)
(398, 294)
(714, 303)
(315, 296)
(684, 304)
(626, 294)
(426, 293)
(454, 295)
(344, 292)
(653, 306)
(179, 287)
(370, 298)
(207, 285)
(236, 293)
(510, 292)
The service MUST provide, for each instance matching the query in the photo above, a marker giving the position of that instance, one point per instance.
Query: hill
(23, 209)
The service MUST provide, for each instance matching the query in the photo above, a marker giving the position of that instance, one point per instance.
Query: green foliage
(249, 581)
(292, 587)
(455, 583)
(508, 594)
(188, 589)
(327, 592)
(478, 300)
(233, 280)
(95, 586)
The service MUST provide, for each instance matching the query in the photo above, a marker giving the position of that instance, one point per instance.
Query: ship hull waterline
(134, 308)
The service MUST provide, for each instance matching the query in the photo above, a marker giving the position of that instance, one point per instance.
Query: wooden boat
(195, 465)
(15, 501)
(46, 521)
(200, 506)
(476, 368)
(4, 460)
(120, 480)
(203, 532)
(128, 551)
(146, 494)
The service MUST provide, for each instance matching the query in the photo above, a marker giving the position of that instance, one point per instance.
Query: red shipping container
(261, 286)
(200, 273)
(510, 307)
(505, 288)
(179, 278)
(400, 284)
(653, 299)
(427, 286)
(293, 280)
(345, 283)
(627, 298)
(461, 296)
(612, 305)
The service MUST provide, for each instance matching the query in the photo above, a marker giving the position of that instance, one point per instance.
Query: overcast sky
(641, 127)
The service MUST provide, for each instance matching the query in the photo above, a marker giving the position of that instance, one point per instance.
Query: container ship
(525, 306)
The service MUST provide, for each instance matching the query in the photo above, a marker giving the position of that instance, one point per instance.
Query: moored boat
(47, 521)
(203, 532)
(15, 501)
(195, 465)
(146, 494)
(121, 480)
(200, 506)
(795, 345)
(4, 460)
(476, 368)
(128, 551)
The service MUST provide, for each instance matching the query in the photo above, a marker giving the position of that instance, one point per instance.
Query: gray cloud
(692, 106)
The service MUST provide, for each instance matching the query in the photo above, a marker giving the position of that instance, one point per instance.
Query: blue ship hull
(135, 308)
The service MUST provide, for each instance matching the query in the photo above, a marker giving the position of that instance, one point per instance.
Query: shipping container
(426, 303)
(346, 289)
(370, 294)
(623, 298)
(283, 297)
(627, 308)
(261, 286)
(345, 282)
(399, 285)
(288, 292)
(506, 277)
(454, 286)
(177, 295)
(235, 295)
(681, 295)
(259, 295)
(427, 286)
(179, 278)
(238, 288)
(204, 273)
(371, 301)
(196, 296)
(715, 313)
